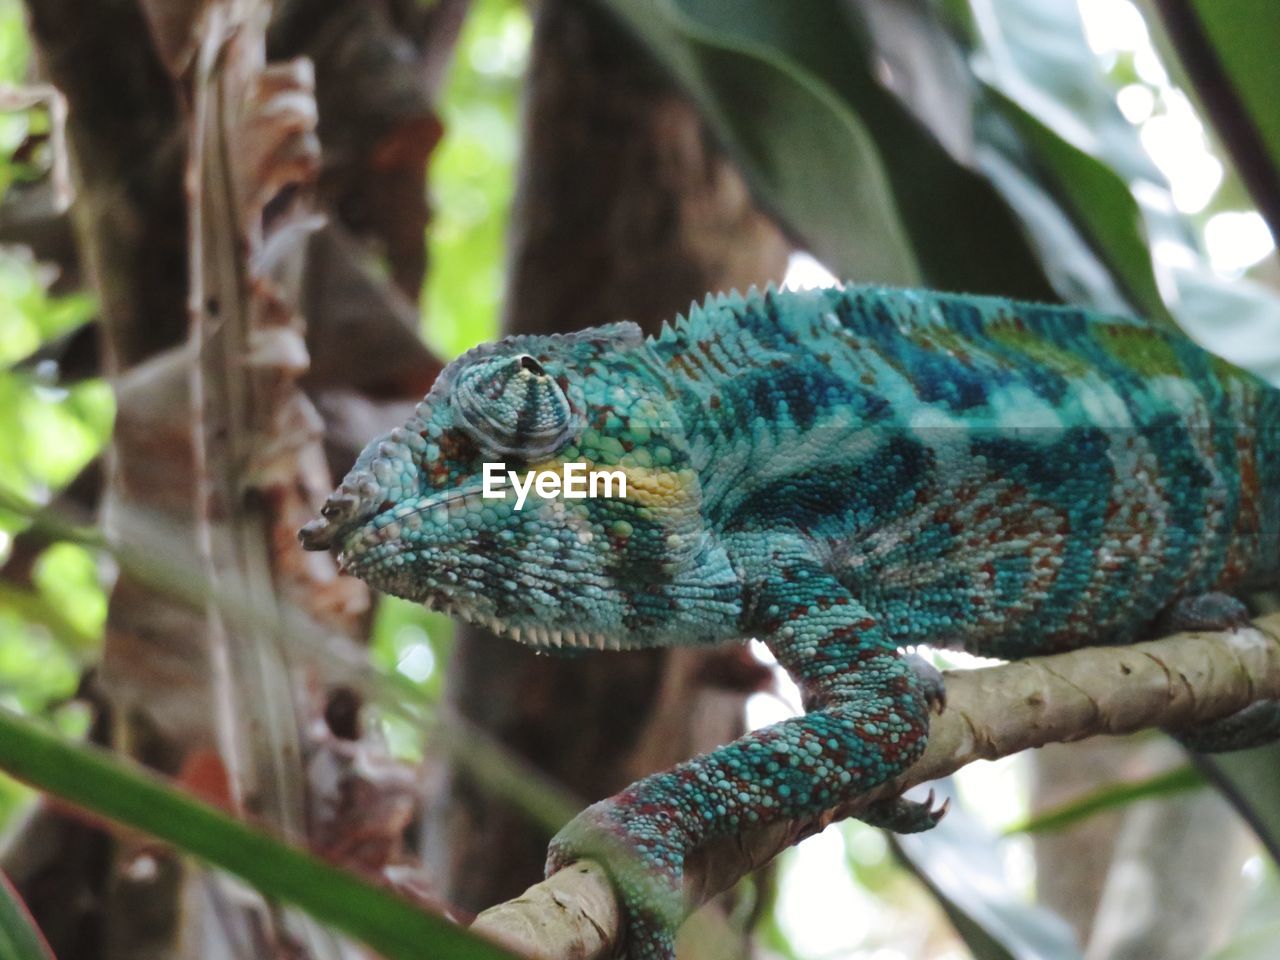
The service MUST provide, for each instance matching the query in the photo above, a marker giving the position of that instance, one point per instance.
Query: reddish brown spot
(457, 446)
(203, 774)
(706, 351)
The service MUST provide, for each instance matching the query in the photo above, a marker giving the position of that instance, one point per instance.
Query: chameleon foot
(1256, 725)
(905, 816)
(644, 867)
(1203, 613)
(932, 684)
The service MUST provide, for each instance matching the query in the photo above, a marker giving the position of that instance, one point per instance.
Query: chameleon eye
(511, 406)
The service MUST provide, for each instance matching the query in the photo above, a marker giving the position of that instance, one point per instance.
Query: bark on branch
(992, 712)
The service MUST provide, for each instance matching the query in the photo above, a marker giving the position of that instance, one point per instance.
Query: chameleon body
(840, 473)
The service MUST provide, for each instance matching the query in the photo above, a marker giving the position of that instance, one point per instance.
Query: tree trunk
(128, 69)
(624, 210)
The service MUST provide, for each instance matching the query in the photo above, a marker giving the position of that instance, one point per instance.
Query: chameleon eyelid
(509, 414)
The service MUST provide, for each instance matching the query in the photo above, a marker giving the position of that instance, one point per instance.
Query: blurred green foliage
(19, 125)
(14, 49)
(14, 54)
(472, 177)
(49, 632)
(47, 434)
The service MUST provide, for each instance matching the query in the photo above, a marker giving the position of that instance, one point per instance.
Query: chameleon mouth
(317, 535)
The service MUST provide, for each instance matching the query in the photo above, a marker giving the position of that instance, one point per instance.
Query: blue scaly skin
(839, 473)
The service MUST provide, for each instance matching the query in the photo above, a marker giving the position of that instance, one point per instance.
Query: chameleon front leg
(867, 722)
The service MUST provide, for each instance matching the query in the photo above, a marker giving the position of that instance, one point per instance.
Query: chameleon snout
(340, 510)
(316, 535)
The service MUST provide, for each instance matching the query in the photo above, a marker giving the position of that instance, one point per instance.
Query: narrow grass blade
(90, 778)
(20, 938)
(1110, 797)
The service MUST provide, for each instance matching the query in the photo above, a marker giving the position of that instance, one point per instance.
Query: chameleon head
(414, 518)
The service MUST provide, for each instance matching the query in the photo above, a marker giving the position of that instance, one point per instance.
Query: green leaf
(808, 157)
(20, 938)
(1045, 85)
(964, 235)
(1041, 76)
(1110, 797)
(1245, 32)
(1102, 205)
(1228, 48)
(92, 779)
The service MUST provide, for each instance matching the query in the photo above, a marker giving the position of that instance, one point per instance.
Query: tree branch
(991, 713)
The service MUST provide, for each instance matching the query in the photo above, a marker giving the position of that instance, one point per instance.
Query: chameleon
(843, 474)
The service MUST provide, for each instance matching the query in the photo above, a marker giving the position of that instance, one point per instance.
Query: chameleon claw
(937, 699)
(901, 815)
(942, 810)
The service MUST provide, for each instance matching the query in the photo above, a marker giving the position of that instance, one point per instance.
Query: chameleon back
(1012, 478)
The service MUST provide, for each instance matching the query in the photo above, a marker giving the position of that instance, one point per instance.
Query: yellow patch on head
(652, 487)
(673, 500)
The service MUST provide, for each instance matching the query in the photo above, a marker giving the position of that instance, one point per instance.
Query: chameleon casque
(840, 473)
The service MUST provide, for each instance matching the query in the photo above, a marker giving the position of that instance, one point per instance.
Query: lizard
(843, 474)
